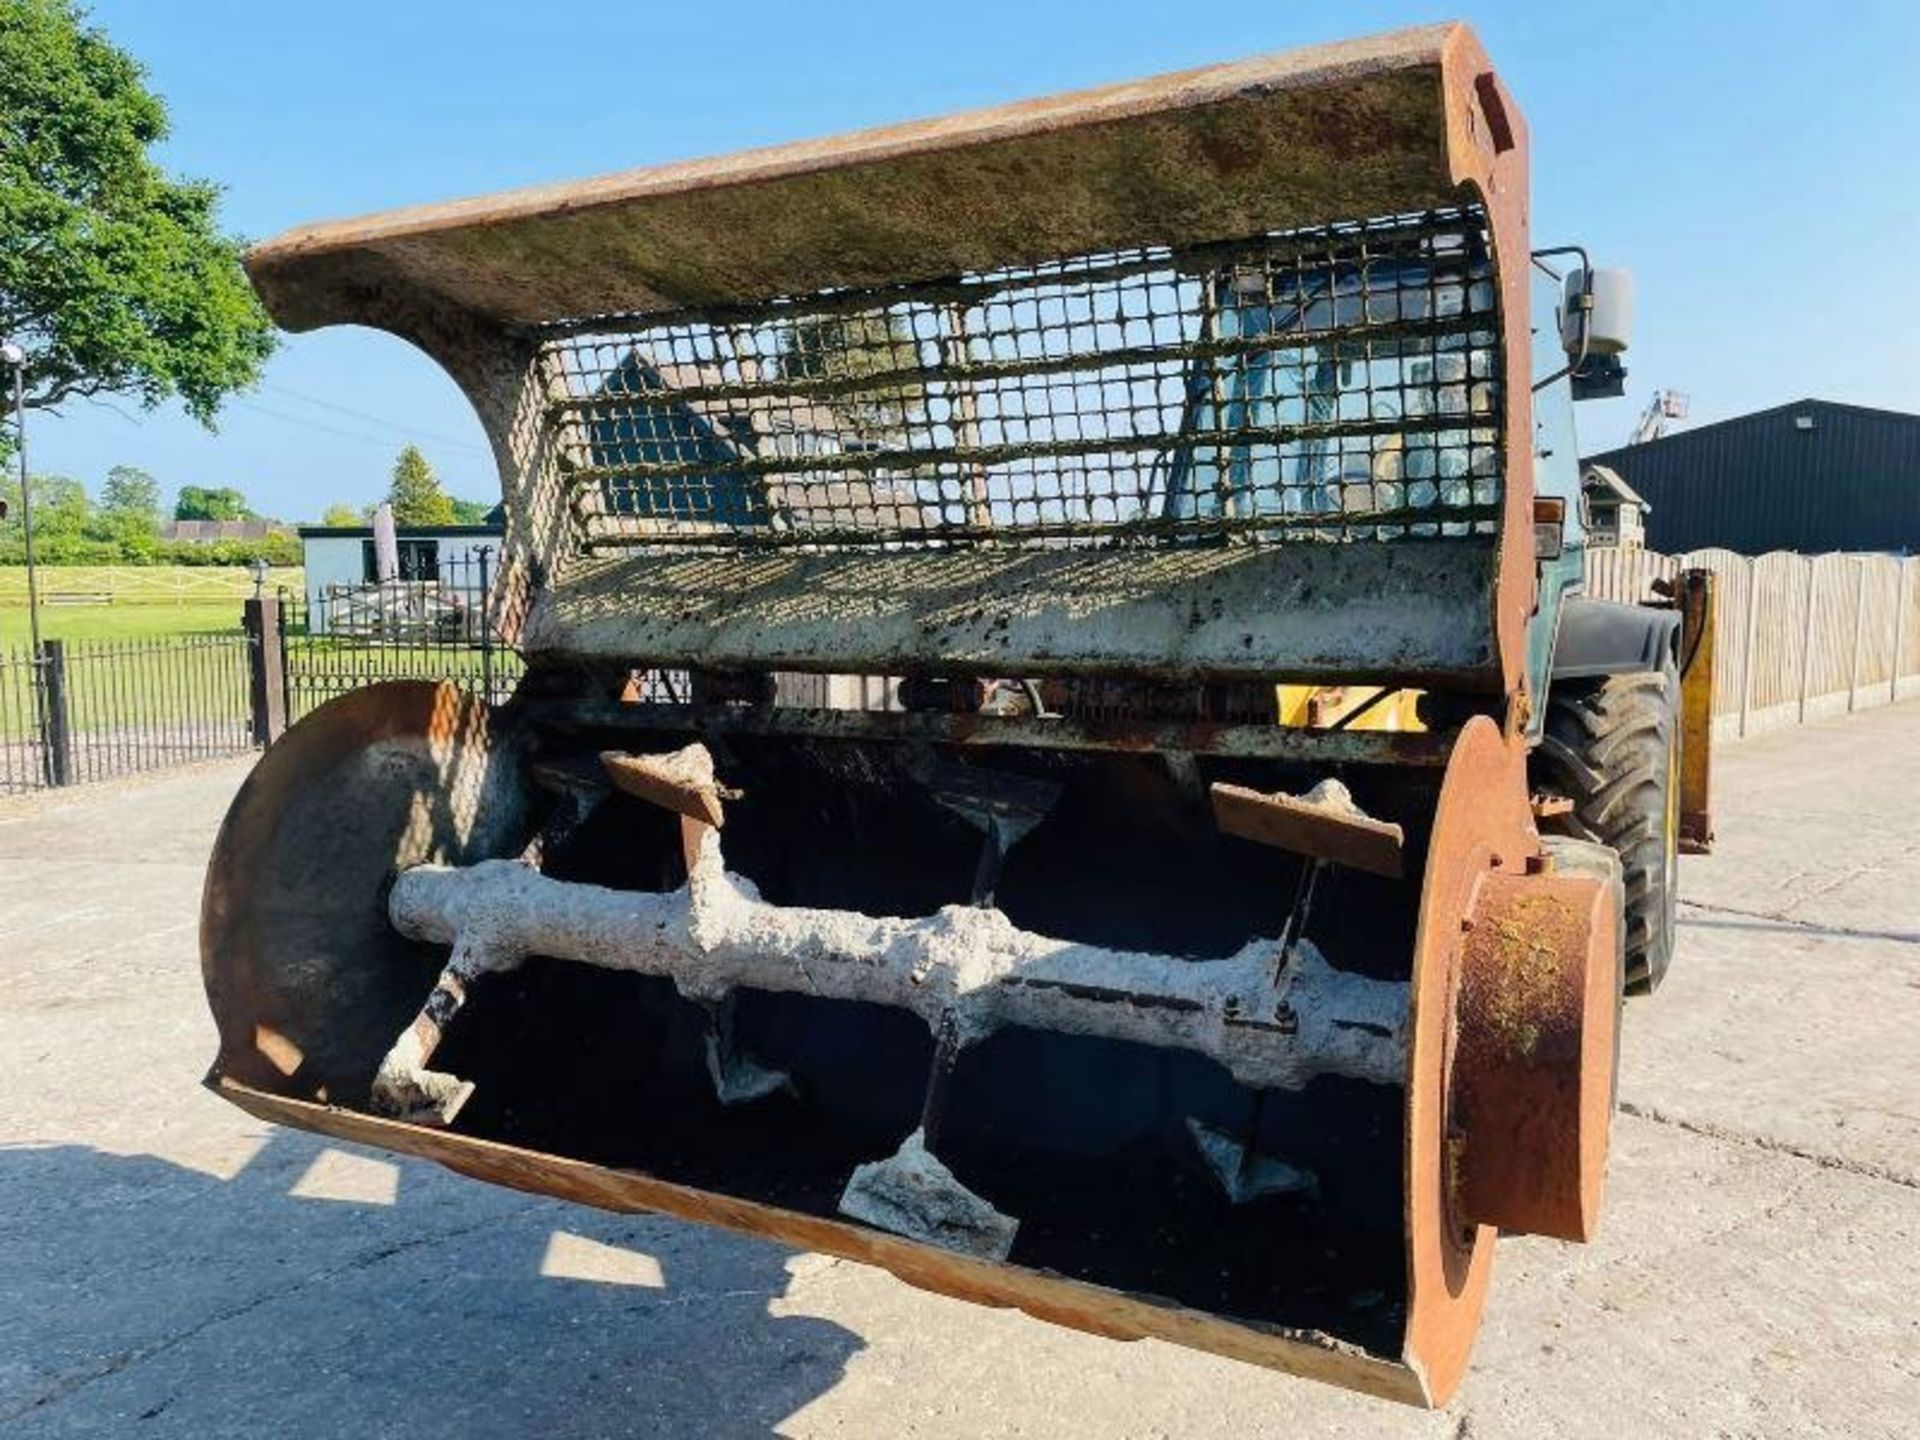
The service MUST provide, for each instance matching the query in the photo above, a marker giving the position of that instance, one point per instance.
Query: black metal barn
(1812, 475)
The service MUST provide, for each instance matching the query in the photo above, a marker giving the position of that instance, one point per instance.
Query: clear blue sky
(1753, 163)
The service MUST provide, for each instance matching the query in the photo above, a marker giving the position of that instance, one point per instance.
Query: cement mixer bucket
(1197, 1052)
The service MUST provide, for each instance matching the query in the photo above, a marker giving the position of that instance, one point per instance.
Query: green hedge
(277, 550)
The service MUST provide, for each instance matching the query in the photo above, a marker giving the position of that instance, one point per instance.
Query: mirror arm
(1585, 301)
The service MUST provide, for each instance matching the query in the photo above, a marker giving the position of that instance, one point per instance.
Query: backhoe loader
(1062, 754)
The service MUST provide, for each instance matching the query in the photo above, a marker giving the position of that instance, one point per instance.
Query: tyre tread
(1607, 747)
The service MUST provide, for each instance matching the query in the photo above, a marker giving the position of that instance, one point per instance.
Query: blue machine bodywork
(1574, 637)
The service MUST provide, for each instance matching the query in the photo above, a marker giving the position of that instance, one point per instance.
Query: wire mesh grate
(1339, 383)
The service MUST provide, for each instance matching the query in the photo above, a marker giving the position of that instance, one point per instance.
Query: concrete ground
(169, 1266)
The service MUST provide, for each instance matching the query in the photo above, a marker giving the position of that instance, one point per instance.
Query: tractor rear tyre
(1612, 746)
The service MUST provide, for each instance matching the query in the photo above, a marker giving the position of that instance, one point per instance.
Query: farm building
(1616, 512)
(341, 560)
(1813, 475)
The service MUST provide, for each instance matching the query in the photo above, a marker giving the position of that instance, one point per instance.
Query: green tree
(199, 503)
(415, 495)
(61, 510)
(471, 512)
(342, 515)
(114, 275)
(131, 492)
(60, 506)
(128, 515)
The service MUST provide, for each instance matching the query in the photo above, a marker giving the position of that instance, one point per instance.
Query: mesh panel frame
(1335, 384)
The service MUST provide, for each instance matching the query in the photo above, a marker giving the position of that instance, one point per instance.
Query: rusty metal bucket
(1119, 1012)
(1171, 1166)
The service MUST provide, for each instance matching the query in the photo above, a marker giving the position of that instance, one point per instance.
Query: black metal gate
(79, 711)
(337, 638)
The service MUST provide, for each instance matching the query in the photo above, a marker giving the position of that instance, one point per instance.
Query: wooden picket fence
(1796, 637)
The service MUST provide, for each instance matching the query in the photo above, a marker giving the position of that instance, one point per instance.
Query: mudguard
(1604, 637)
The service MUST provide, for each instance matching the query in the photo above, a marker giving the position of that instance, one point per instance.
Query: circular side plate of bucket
(1482, 823)
(1515, 996)
(307, 980)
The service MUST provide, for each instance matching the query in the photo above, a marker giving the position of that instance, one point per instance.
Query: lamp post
(16, 357)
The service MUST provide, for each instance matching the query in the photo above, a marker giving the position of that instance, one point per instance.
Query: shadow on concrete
(326, 1290)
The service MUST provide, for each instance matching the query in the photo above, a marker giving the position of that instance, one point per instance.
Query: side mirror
(1596, 312)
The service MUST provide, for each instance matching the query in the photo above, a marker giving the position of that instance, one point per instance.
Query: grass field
(119, 622)
(121, 682)
(146, 602)
(163, 691)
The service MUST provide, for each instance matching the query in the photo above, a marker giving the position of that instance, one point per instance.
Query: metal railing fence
(339, 637)
(99, 709)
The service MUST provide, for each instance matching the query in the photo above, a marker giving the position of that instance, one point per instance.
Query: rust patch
(682, 782)
(1530, 1092)
(1323, 824)
(1524, 973)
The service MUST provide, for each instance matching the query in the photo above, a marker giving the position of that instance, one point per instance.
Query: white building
(340, 561)
(1616, 512)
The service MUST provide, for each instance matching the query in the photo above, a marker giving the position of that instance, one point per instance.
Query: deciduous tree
(114, 275)
(131, 492)
(60, 505)
(197, 502)
(129, 512)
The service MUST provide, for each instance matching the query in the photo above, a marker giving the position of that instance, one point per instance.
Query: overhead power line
(411, 432)
(384, 442)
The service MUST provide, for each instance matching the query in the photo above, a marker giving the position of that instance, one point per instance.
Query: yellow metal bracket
(1348, 707)
(1695, 592)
